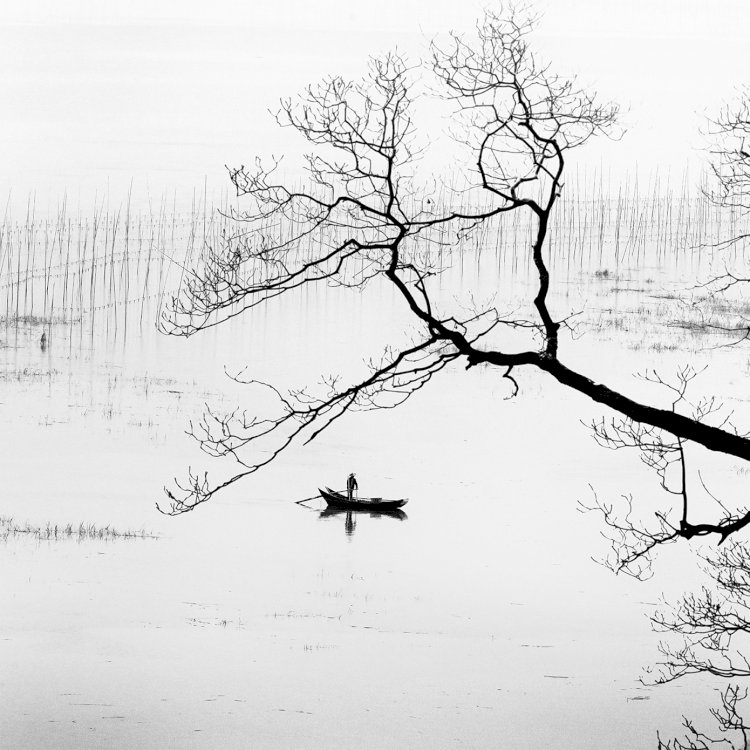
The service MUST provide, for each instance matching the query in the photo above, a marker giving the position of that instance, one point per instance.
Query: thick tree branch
(365, 218)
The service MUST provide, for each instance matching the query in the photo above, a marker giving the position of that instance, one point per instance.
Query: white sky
(96, 94)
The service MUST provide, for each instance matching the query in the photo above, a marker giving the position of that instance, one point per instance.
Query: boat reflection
(350, 520)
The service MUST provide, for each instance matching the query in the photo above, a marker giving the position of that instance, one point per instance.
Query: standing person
(351, 485)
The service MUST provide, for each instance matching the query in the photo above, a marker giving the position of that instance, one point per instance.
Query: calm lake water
(478, 620)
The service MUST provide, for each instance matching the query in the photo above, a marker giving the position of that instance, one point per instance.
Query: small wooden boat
(340, 500)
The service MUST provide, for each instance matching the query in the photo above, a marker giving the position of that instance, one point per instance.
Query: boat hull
(339, 500)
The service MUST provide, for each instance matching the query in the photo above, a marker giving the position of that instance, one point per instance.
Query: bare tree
(709, 629)
(364, 217)
(734, 733)
(730, 153)
(633, 540)
(729, 189)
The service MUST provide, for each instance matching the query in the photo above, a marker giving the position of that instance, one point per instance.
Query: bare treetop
(731, 153)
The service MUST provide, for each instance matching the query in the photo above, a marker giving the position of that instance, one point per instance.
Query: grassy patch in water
(37, 320)
(81, 531)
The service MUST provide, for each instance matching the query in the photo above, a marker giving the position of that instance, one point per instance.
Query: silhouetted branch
(734, 732)
(709, 622)
(304, 415)
(730, 153)
(364, 216)
(633, 541)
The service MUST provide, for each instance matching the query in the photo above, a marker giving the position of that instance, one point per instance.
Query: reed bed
(79, 532)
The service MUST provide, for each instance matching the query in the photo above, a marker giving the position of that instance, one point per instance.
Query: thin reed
(114, 267)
